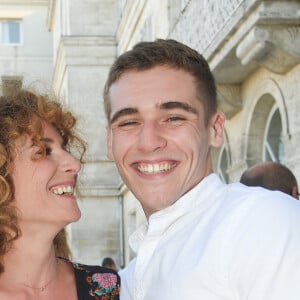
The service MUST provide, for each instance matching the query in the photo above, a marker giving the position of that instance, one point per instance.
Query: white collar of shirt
(161, 220)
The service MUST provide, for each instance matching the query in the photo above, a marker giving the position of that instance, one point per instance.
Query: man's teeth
(155, 168)
(63, 190)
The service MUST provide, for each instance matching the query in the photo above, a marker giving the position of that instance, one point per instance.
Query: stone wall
(84, 48)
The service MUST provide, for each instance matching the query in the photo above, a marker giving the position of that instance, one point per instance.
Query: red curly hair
(23, 113)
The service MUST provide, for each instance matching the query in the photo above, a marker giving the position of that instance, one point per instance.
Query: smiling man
(203, 239)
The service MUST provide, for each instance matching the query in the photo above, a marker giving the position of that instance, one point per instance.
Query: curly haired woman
(40, 158)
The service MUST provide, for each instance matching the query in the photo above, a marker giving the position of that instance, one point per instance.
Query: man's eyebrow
(177, 104)
(164, 106)
(123, 112)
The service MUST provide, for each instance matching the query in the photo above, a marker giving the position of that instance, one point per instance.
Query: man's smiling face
(157, 135)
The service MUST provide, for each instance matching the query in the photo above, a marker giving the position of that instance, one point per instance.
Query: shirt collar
(161, 220)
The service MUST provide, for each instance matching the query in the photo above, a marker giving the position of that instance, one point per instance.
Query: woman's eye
(48, 150)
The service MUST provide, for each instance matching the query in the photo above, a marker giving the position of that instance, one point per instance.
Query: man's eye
(175, 118)
(128, 123)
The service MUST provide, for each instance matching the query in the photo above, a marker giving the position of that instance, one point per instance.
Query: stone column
(84, 48)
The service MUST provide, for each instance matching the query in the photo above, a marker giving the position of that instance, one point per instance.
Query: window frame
(269, 153)
(7, 21)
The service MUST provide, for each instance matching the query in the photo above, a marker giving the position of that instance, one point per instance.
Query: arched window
(223, 163)
(221, 159)
(265, 140)
(273, 147)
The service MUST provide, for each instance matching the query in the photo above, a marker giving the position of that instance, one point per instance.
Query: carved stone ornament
(275, 48)
(229, 99)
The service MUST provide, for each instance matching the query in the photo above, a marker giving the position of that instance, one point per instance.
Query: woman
(38, 175)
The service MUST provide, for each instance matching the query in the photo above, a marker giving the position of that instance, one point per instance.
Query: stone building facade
(253, 48)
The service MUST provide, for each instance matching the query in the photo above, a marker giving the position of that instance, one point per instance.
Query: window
(10, 32)
(223, 163)
(273, 149)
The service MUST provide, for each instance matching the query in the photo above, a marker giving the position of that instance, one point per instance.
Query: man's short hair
(171, 53)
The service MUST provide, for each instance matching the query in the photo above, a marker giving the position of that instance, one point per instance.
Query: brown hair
(22, 113)
(146, 55)
(270, 175)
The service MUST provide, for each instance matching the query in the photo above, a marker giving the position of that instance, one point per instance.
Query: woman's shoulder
(91, 268)
(96, 282)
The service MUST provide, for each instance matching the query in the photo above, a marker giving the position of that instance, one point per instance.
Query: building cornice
(82, 51)
(268, 37)
(263, 37)
(277, 48)
(24, 2)
(229, 99)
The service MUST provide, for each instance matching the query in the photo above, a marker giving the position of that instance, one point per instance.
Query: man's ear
(217, 129)
(109, 153)
(295, 192)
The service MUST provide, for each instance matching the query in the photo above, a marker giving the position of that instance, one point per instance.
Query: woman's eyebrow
(177, 104)
(123, 112)
(46, 140)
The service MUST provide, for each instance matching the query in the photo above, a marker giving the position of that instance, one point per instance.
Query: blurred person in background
(272, 176)
(109, 263)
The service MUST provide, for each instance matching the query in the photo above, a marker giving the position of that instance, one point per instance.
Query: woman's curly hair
(23, 113)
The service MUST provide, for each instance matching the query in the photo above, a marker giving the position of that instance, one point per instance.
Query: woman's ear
(217, 129)
(109, 153)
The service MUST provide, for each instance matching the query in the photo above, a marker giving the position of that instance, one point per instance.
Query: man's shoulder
(260, 196)
(238, 201)
(261, 206)
(128, 269)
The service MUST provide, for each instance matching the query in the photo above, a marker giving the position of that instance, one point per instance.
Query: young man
(203, 239)
(272, 176)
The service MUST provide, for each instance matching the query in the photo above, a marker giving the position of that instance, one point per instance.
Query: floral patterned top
(95, 282)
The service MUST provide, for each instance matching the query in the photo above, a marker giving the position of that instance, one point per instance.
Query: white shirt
(217, 242)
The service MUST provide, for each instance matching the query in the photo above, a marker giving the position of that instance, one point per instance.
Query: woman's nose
(71, 163)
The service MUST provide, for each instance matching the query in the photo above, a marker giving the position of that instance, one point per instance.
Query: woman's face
(44, 186)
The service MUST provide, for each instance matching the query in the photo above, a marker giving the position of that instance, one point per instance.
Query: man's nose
(151, 137)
